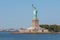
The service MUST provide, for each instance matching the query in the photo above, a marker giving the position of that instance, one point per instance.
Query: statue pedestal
(35, 23)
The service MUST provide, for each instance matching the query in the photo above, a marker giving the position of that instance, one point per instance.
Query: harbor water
(8, 36)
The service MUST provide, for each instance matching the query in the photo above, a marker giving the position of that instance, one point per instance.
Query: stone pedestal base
(35, 23)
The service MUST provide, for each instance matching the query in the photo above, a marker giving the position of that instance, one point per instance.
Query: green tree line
(51, 28)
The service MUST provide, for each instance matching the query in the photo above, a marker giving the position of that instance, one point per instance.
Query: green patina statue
(34, 12)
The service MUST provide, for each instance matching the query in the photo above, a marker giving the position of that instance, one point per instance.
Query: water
(8, 36)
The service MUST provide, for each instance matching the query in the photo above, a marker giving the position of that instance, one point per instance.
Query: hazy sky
(19, 13)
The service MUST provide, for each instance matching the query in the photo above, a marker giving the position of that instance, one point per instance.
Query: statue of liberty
(34, 12)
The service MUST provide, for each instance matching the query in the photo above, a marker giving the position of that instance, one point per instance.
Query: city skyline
(19, 13)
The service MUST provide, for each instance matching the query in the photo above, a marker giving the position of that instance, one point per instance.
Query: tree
(52, 28)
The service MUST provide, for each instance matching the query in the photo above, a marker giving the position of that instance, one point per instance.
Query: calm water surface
(8, 36)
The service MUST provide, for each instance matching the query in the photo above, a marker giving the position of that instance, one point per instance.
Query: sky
(19, 13)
